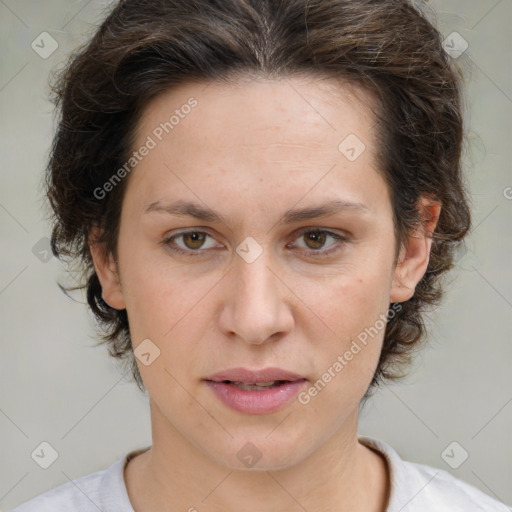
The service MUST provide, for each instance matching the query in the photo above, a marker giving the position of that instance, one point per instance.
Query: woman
(264, 196)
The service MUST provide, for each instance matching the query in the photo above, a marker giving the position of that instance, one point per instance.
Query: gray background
(56, 387)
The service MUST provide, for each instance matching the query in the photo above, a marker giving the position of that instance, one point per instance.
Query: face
(266, 280)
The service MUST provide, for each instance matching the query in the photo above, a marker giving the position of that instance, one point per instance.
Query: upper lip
(254, 376)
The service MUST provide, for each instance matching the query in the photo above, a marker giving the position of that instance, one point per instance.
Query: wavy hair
(388, 48)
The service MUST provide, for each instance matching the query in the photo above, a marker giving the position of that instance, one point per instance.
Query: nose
(256, 305)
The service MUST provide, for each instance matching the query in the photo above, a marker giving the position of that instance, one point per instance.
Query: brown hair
(386, 47)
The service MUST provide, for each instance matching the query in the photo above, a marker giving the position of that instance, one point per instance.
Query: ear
(107, 271)
(414, 256)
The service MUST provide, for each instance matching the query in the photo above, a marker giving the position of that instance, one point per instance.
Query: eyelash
(318, 253)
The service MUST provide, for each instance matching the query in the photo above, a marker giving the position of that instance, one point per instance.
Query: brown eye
(195, 243)
(193, 239)
(192, 243)
(315, 239)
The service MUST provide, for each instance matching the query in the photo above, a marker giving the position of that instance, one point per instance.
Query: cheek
(352, 300)
(163, 302)
(353, 310)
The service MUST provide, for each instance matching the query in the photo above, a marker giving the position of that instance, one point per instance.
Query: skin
(251, 150)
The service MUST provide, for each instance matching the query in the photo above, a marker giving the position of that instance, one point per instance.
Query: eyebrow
(187, 208)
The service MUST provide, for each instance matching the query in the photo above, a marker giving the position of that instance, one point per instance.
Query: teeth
(256, 385)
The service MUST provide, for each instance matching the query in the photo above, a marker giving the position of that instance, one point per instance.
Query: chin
(263, 452)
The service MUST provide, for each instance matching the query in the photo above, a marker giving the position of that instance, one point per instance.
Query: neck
(342, 476)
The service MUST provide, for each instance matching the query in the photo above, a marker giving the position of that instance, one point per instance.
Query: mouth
(262, 377)
(257, 386)
(255, 392)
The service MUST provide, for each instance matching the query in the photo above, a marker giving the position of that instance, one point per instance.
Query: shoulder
(437, 486)
(103, 490)
(421, 488)
(80, 494)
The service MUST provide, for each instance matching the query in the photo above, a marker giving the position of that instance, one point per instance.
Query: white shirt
(414, 488)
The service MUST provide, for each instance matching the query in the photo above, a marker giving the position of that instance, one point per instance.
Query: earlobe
(415, 255)
(108, 275)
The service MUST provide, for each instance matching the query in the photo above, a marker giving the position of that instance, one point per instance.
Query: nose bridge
(256, 309)
(254, 279)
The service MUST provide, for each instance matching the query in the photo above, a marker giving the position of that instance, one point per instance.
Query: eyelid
(170, 237)
(339, 237)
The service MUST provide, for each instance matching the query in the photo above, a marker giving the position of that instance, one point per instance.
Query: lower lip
(259, 401)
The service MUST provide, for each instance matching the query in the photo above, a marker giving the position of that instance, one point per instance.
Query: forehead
(302, 109)
(253, 136)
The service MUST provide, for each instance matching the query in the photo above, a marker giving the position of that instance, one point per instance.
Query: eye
(316, 238)
(192, 241)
